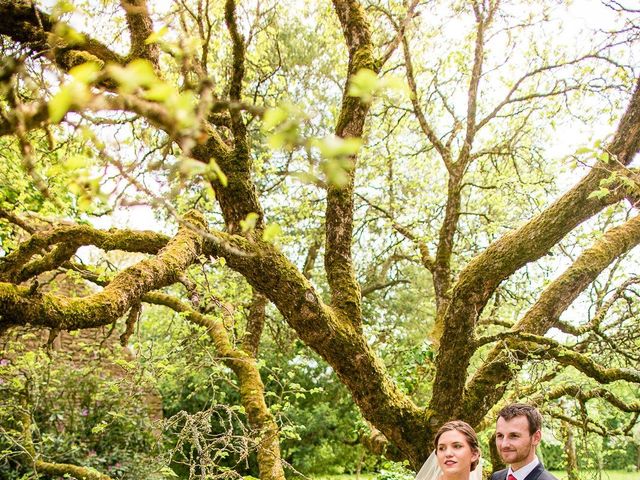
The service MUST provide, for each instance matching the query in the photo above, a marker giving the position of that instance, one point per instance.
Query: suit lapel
(535, 473)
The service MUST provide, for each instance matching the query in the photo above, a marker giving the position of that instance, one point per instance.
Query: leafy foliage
(86, 412)
(359, 233)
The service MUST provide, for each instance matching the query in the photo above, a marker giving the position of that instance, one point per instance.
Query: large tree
(455, 177)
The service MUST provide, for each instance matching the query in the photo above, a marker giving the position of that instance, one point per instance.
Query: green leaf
(274, 117)
(277, 140)
(190, 167)
(600, 193)
(60, 104)
(84, 203)
(160, 92)
(336, 147)
(184, 108)
(337, 171)
(156, 36)
(168, 472)
(76, 162)
(363, 84)
(391, 83)
(583, 150)
(99, 428)
(86, 72)
(138, 73)
(283, 124)
(143, 72)
(249, 223)
(272, 232)
(214, 169)
(30, 358)
(61, 7)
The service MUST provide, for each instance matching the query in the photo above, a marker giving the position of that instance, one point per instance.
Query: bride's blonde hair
(467, 431)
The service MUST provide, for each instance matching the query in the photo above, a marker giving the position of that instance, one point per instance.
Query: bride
(456, 455)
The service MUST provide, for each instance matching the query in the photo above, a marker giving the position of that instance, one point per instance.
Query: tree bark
(570, 452)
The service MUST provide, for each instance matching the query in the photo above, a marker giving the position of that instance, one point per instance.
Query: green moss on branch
(252, 389)
(20, 306)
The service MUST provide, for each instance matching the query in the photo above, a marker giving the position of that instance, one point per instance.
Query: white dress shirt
(522, 472)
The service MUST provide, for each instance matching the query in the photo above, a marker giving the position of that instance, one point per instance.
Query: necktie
(511, 477)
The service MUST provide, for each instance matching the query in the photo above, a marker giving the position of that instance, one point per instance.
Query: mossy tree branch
(591, 368)
(528, 345)
(341, 344)
(255, 324)
(20, 265)
(427, 128)
(140, 28)
(63, 469)
(345, 291)
(590, 425)
(17, 220)
(237, 75)
(20, 306)
(600, 314)
(586, 394)
(555, 299)
(244, 365)
(442, 275)
(33, 28)
(239, 197)
(479, 279)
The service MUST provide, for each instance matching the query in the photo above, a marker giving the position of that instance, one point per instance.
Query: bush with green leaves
(81, 412)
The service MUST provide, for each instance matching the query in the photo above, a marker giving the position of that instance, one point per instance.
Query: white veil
(430, 469)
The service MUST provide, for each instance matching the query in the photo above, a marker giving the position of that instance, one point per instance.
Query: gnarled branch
(244, 365)
(33, 28)
(552, 302)
(19, 306)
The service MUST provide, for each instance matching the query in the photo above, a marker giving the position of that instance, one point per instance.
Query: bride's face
(454, 453)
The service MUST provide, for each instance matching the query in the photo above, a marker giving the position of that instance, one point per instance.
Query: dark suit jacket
(538, 473)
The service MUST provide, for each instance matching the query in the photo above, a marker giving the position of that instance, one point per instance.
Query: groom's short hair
(522, 409)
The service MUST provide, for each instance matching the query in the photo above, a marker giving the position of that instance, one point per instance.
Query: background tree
(269, 145)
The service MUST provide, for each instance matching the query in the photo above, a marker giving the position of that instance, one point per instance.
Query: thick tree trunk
(334, 330)
(496, 461)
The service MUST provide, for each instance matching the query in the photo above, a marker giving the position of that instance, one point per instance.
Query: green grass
(584, 475)
(604, 475)
(363, 476)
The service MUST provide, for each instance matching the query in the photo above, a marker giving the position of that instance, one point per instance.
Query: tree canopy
(464, 169)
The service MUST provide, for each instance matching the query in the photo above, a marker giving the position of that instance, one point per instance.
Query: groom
(517, 435)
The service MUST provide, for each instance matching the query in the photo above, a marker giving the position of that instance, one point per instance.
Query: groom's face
(516, 445)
